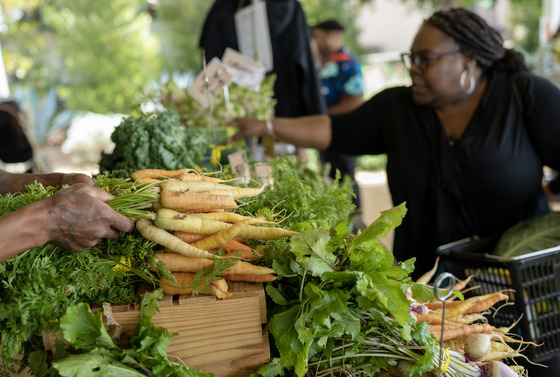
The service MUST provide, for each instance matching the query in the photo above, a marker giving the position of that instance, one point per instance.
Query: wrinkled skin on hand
(80, 219)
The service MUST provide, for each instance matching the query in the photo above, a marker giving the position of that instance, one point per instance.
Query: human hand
(79, 219)
(73, 178)
(248, 127)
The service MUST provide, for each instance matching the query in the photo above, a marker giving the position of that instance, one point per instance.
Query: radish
(478, 346)
(498, 369)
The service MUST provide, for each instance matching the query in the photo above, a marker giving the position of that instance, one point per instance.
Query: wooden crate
(224, 337)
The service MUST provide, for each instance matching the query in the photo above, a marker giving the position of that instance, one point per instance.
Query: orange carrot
(250, 278)
(461, 331)
(189, 237)
(487, 302)
(234, 246)
(185, 285)
(195, 200)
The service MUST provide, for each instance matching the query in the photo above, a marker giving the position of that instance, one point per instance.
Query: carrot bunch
(465, 326)
(196, 224)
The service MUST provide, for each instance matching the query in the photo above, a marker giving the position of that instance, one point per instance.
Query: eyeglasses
(422, 62)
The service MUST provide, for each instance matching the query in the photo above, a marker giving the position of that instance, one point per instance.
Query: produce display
(338, 304)
(39, 284)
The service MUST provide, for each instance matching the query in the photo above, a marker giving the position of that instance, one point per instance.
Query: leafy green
(146, 353)
(159, 142)
(538, 233)
(306, 199)
(340, 307)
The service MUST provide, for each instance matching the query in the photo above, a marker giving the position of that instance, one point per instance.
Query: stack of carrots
(197, 226)
(465, 327)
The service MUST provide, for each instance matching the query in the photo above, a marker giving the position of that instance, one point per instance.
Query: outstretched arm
(312, 131)
(75, 218)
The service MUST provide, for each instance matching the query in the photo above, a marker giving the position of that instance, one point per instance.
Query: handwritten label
(253, 34)
(244, 71)
(262, 172)
(209, 83)
(239, 164)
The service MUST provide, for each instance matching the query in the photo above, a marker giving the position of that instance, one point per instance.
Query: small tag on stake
(209, 83)
(262, 172)
(244, 71)
(240, 165)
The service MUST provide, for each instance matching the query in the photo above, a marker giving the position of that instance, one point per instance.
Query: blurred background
(75, 68)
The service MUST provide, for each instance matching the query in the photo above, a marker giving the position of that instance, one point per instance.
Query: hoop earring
(470, 89)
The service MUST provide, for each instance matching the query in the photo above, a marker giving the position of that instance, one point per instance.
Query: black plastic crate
(533, 281)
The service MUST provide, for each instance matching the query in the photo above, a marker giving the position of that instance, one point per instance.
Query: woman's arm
(312, 131)
(12, 182)
(75, 218)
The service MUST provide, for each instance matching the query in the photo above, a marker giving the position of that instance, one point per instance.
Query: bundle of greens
(308, 199)
(144, 355)
(341, 307)
(160, 141)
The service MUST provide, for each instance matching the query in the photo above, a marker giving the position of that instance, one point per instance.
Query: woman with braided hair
(466, 143)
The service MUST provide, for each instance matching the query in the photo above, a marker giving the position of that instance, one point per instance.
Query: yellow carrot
(264, 233)
(172, 220)
(198, 177)
(225, 235)
(195, 200)
(179, 263)
(164, 238)
(184, 285)
(240, 192)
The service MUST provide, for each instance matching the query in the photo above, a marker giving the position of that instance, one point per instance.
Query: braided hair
(477, 39)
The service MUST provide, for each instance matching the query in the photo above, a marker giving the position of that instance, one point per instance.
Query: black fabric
(14, 146)
(297, 84)
(483, 183)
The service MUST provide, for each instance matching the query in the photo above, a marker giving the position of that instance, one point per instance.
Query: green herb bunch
(341, 306)
(305, 198)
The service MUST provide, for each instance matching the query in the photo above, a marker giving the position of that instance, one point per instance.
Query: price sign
(209, 83)
(244, 71)
(239, 164)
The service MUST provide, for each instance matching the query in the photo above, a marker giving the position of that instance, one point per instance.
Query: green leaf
(387, 221)
(293, 351)
(83, 329)
(93, 364)
(538, 233)
(310, 249)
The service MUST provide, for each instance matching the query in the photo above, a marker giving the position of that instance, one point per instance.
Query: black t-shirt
(480, 184)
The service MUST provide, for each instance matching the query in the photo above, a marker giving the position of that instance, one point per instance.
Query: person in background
(342, 87)
(75, 218)
(466, 143)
